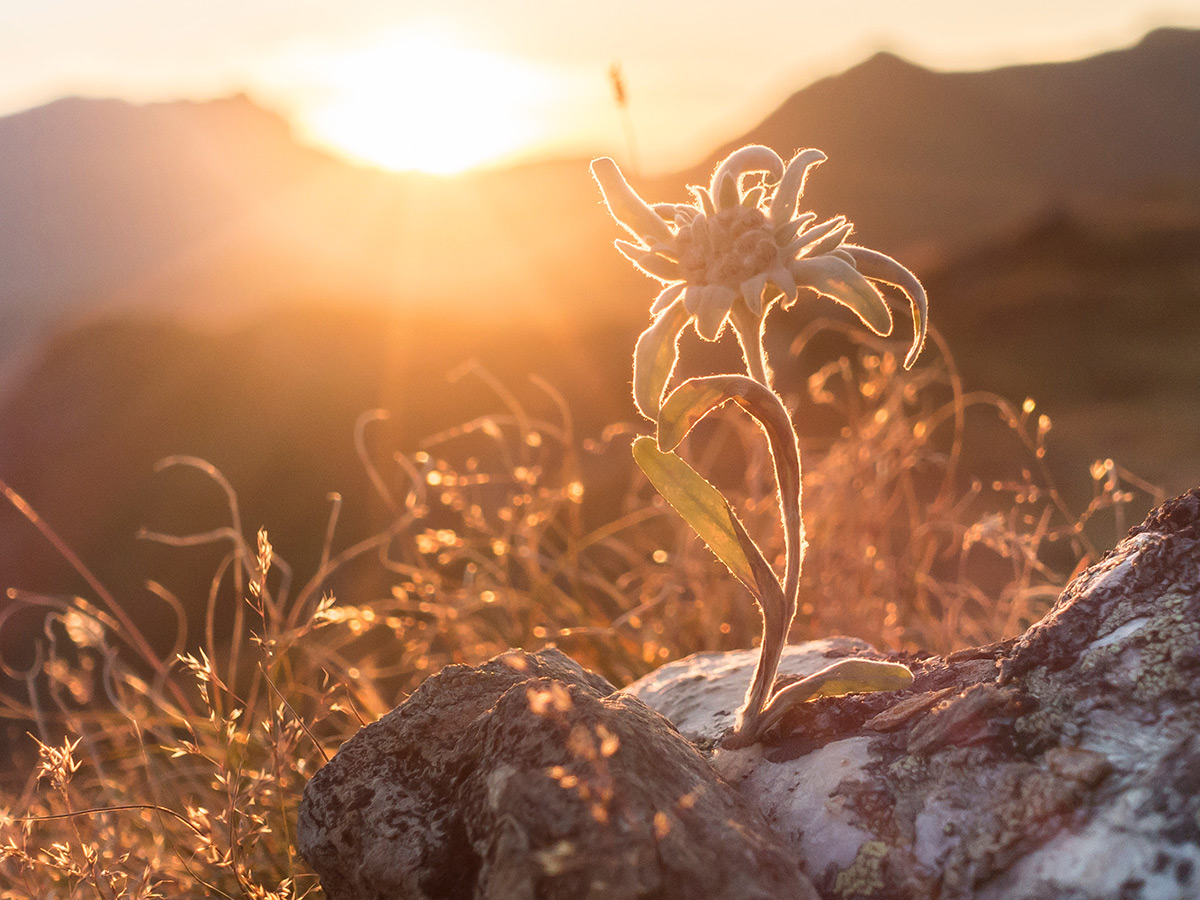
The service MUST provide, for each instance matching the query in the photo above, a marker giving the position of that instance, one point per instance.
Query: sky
(483, 82)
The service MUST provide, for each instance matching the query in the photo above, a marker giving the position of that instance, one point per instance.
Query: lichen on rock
(1062, 763)
(526, 778)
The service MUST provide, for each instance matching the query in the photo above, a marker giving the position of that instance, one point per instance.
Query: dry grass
(179, 774)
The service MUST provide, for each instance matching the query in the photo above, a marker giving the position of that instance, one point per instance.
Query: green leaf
(846, 676)
(697, 397)
(655, 357)
(710, 516)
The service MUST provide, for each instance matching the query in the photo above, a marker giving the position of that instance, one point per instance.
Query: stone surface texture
(529, 777)
(1064, 763)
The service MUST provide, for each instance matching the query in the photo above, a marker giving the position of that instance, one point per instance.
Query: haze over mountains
(214, 205)
(1053, 211)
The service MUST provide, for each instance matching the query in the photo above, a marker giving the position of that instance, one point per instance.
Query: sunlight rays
(424, 100)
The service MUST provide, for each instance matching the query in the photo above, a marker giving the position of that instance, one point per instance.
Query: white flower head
(740, 245)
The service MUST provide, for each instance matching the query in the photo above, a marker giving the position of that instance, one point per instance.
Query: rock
(529, 777)
(1063, 763)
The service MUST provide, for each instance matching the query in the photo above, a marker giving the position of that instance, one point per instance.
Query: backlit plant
(726, 258)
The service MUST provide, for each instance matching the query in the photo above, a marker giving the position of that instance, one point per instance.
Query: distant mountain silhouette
(942, 158)
(215, 206)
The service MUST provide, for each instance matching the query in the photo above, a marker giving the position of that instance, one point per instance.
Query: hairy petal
(752, 291)
(781, 277)
(791, 186)
(754, 197)
(833, 277)
(725, 193)
(788, 230)
(700, 233)
(668, 296)
(881, 267)
(812, 236)
(830, 242)
(752, 158)
(649, 262)
(715, 301)
(655, 356)
(630, 210)
(684, 215)
(704, 200)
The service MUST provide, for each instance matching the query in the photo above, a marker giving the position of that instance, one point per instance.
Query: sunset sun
(423, 100)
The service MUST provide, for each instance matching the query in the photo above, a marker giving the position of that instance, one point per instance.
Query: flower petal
(811, 236)
(704, 200)
(883, 268)
(630, 210)
(655, 357)
(782, 278)
(752, 292)
(684, 215)
(700, 234)
(714, 305)
(651, 263)
(725, 195)
(751, 158)
(668, 296)
(754, 197)
(829, 242)
(791, 186)
(670, 251)
(789, 230)
(834, 277)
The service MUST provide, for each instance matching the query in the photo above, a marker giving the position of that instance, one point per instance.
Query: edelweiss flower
(740, 245)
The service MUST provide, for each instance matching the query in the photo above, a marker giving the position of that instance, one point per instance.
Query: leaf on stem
(697, 397)
(846, 676)
(710, 516)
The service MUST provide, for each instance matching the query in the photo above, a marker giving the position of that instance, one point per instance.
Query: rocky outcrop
(530, 778)
(1063, 763)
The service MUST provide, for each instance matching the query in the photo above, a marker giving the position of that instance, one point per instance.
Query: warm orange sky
(480, 82)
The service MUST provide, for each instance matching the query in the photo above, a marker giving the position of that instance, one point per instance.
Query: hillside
(942, 159)
(213, 209)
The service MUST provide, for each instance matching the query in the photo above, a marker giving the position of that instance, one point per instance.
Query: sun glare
(422, 100)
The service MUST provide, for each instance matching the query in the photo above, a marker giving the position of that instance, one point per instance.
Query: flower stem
(779, 603)
(749, 330)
